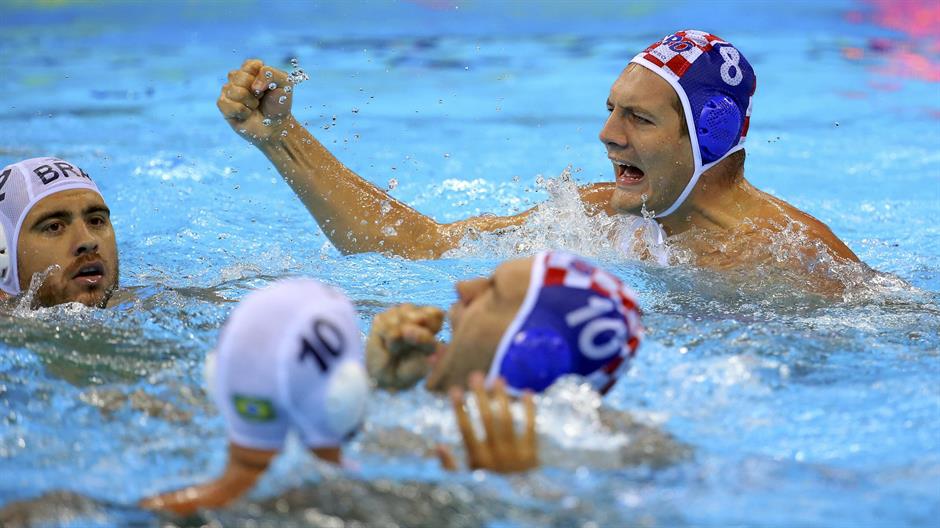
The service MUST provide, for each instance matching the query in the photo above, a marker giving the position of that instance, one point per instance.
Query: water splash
(28, 303)
(561, 222)
(297, 75)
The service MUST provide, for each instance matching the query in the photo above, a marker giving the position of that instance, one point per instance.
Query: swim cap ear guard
(346, 396)
(717, 127)
(536, 357)
(575, 319)
(4, 254)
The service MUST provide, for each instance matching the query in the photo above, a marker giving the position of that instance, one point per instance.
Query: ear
(718, 127)
(536, 357)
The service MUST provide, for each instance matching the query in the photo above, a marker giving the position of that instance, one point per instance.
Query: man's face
(478, 319)
(651, 156)
(72, 231)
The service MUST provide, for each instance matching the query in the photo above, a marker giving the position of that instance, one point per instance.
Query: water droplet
(266, 122)
(294, 62)
(282, 99)
(446, 154)
(288, 89)
(385, 208)
(355, 110)
(389, 231)
(392, 183)
(272, 86)
(269, 74)
(283, 133)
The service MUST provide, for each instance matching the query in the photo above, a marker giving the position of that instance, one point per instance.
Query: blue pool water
(790, 409)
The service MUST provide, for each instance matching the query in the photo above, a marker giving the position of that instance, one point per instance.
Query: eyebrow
(92, 209)
(66, 216)
(63, 215)
(634, 108)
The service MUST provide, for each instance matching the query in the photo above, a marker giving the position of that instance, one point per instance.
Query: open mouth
(626, 173)
(90, 273)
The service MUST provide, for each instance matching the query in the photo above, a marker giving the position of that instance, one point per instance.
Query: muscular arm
(348, 208)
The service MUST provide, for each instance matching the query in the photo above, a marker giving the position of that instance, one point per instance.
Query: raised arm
(352, 212)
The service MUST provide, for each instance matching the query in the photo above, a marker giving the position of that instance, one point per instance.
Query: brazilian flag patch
(254, 409)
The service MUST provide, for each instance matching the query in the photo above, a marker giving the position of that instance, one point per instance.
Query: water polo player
(679, 115)
(289, 357)
(55, 227)
(532, 321)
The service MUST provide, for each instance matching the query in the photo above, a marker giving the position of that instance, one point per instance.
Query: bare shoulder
(813, 226)
(596, 197)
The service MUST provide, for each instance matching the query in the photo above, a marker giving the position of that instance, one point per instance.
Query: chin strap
(688, 189)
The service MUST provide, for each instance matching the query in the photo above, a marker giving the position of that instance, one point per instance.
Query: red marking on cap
(555, 276)
(652, 58)
(678, 65)
(613, 365)
(597, 288)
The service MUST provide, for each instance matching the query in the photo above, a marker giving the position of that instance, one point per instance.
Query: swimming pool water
(796, 410)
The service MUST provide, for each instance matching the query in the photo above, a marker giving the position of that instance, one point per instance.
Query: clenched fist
(256, 101)
(399, 343)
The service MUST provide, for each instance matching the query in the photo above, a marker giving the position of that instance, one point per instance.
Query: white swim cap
(22, 186)
(290, 355)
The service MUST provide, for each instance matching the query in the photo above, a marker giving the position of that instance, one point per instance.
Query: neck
(713, 205)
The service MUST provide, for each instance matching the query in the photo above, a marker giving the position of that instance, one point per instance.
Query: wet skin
(71, 233)
(643, 135)
(483, 311)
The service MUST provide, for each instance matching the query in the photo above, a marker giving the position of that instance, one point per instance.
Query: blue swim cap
(575, 319)
(715, 84)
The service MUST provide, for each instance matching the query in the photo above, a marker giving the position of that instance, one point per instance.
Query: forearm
(242, 471)
(356, 215)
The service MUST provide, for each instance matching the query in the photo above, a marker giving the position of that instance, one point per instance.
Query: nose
(85, 241)
(467, 290)
(613, 133)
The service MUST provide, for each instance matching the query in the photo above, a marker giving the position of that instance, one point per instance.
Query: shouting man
(679, 115)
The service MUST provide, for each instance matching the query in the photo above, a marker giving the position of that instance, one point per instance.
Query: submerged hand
(399, 343)
(501, 450)
(256, 101)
